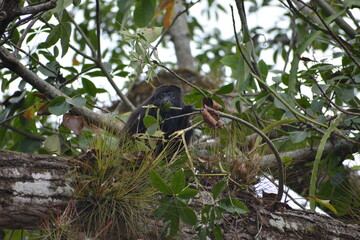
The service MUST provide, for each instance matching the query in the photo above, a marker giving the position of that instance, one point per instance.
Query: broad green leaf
(61, 5)
(231, 61)
(77, 101)
(218, 233)
(175, 224)
(225, 89)
(144, 12)
(218, 188)
(53, 37)
(124, 5)
(89, 87)
(149, 120)
(319, 89)
(159, 183)
(264, 69)
(65, 37)
(59, 106)
(317, 105)
(345, 93)
(53, 144)
(178, 182)
(151, 124)
(188, 193)
(233, 205)
(150, 34)
(299, 136)
(186, 213)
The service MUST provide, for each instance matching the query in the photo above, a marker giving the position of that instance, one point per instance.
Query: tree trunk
(180, 36)
(31, 186)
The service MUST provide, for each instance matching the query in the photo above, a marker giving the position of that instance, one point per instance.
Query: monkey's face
(172, 98)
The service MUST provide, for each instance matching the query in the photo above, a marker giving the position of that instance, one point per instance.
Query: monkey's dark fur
(162, 95)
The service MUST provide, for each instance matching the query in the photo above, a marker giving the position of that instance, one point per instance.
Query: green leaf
(150, 34)
(186, 213)
(287, 160)
(344, 93)
(231, 61)
(218, 188)
(319, 152)
(53, 37)
(151, 124)
(59, 106)
(61, 5)
(317, 105)
(77, 101)
(53, 144)
(159, 183)
(149, 120)
(188, 193)
(264, 69)
(144, 12)
(318, 89)
(175, 223)
(225, 89)
(217, 233)
(76, 2)
(89, 87)
(299, 136)
(325, 203)
(233, 205)
(65, 37)
(178, 182)
(124, 5)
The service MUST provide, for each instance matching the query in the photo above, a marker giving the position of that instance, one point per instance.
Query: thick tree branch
(12, 63)
(9, 10)
(31, 186)
(339, 148)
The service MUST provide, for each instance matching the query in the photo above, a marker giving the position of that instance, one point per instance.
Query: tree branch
(30, 77)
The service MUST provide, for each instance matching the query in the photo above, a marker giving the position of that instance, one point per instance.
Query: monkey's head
(168, 94)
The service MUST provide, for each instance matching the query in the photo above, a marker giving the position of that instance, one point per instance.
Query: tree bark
(31, 186)
(180, 36)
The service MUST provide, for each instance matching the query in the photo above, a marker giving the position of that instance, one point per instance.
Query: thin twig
(246, 32)
(331, 102)
(98, 29)
(76, 76)
(333, 35)
(238, 43)
(167, 30)
(181, 79)
(83, 35)
(24, 133)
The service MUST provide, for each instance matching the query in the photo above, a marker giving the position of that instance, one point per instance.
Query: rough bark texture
(30, 187)
(33, 185)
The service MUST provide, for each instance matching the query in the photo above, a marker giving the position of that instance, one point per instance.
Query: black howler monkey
(161, 97)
